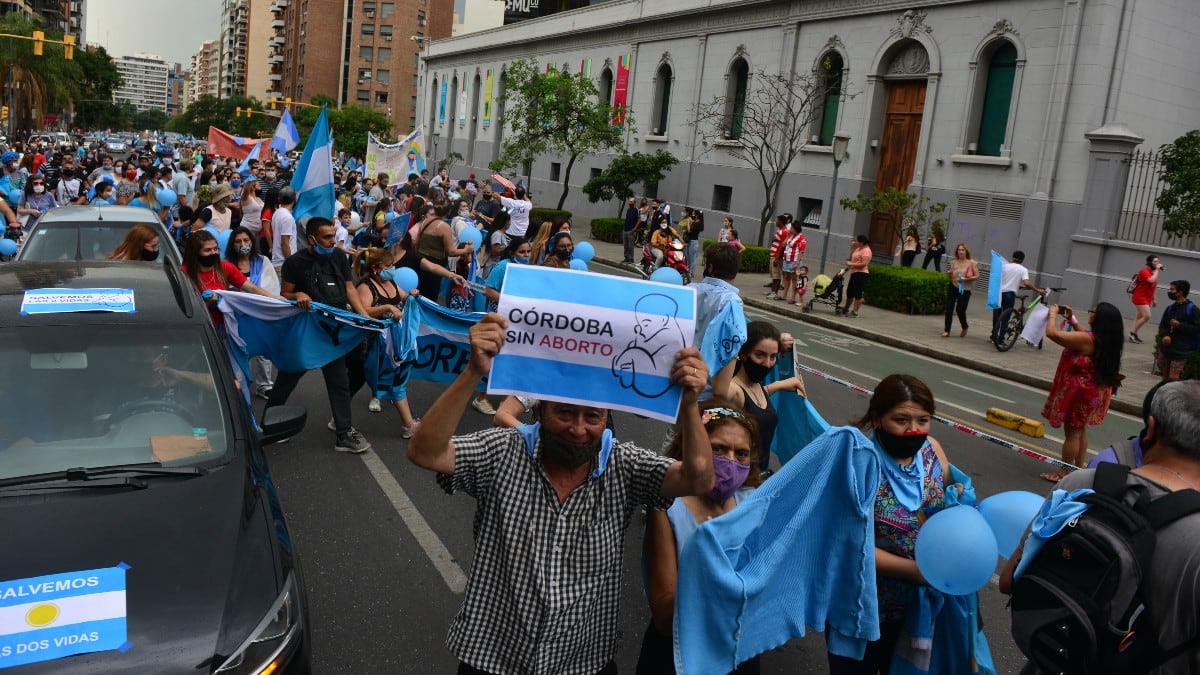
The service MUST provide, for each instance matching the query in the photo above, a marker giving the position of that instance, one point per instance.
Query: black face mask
(904, 446)
(756, 372)
(566, 454)
(1172, 296)
(149, 256)
(562, 253)
(211, 260)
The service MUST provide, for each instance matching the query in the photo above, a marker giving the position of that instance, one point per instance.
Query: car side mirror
(281, 422)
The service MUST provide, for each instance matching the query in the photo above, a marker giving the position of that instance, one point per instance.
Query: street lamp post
(841, 140)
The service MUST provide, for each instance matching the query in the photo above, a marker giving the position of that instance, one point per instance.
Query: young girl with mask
(911, 489)
(741, 382)
(35, 201)
(210, 274)
(374, 276)
(736, 447)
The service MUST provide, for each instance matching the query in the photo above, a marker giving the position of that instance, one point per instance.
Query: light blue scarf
(908, 482)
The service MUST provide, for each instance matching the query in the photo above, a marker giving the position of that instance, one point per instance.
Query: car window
(57, 241)
(110, 396)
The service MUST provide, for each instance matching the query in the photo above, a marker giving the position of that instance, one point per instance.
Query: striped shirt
(795, 247)
(545, 580)
(777, 241)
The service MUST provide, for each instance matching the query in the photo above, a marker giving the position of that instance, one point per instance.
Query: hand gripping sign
(591, 339)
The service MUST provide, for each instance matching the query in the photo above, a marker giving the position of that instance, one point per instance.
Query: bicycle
(1013, 320)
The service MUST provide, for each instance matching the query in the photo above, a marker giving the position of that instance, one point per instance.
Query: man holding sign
(554, 501)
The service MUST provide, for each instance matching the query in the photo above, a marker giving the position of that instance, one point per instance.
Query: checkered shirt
(545, 582)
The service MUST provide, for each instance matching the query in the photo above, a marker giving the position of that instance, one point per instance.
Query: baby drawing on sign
(644, 365)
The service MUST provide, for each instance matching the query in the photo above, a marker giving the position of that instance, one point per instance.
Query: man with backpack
(1179, 330)
(321, 273)
(1109, 581)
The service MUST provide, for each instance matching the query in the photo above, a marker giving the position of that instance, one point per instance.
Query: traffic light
(274, 102)
(287, 102)
(237, 112)
(69, 47)
(4, 113)
(39, 40)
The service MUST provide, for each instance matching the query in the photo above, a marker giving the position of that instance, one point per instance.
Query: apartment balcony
(275, 77)
(277, 24)
(275, 59)
(277, 41)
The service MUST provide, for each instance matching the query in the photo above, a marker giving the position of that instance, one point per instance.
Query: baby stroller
(828, 291)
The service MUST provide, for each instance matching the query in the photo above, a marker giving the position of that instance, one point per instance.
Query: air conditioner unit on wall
(388, 38)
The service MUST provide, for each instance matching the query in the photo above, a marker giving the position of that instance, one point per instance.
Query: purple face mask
(730, 475)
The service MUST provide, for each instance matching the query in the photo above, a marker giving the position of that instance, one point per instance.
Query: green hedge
(755, 259)
(549, 214)
(906, 289)
(608, 229)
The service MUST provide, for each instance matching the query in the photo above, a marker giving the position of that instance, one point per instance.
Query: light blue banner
(994, 276)
(62, 300)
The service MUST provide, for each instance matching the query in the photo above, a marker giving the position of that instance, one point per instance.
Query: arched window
(606, 86)
(1000, 72)
(662, 99)
(738, 81)
(830, 74)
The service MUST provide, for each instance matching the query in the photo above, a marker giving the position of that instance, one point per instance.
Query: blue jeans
(693, 252)
(1007, 300)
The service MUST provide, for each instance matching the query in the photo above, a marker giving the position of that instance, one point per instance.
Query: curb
(1020, 423)
(846, 326)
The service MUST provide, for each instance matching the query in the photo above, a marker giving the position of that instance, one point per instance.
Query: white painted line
(438, 554)
(840, 349)
(981, 393)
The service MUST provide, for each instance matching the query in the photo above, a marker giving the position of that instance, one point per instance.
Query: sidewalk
(922, 335)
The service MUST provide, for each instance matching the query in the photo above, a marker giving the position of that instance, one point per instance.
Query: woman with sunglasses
(35, 201)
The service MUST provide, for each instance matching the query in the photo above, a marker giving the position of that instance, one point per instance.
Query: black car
(141, 532)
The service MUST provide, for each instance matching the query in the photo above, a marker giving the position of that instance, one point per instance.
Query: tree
(553, 112)
(149, 119)
(46, 83)
(349, 125)
(904, 209)
(625, 171)
(99, 78)
(449, 161)
(208, 110)
(765, 127)
(1180, 197)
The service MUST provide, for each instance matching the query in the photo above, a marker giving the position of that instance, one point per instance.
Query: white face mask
(39, 189)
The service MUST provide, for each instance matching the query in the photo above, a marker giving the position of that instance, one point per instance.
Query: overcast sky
(172, 29)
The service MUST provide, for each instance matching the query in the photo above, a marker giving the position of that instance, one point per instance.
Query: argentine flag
(58, 615)
(244, 169)
(286, 135)
(313, 181)
(994, 276)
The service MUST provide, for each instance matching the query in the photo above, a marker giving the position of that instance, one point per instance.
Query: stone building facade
(1008, 111)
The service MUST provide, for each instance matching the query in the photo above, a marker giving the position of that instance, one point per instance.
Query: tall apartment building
(258, 49)
(376, 57)
(175, 89)
(235, 30)
(143, 82)
(64, 16)
(472, 16)
(203, 72)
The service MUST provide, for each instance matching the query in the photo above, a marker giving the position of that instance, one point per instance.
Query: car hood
(190, 544)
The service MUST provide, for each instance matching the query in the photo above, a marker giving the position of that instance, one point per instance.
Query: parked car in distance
(90, 233)
(143, 533)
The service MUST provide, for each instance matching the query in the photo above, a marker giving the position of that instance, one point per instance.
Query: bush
(1191, 369)
(608, 229)
(906, 289)
(548, 214)
(755, 259)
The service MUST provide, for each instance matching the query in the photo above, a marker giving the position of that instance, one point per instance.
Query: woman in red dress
(1088, 373)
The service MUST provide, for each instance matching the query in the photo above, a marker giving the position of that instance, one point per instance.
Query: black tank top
(766, 417)
(378, 299)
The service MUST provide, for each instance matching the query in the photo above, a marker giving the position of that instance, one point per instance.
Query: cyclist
(1013, 276)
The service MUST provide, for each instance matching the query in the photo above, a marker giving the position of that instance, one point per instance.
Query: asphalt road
(370, 527)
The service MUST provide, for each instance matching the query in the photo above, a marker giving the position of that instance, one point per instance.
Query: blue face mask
(112, 201)
(388, 274)
(323, 250)
(235, 183)
(521, 259)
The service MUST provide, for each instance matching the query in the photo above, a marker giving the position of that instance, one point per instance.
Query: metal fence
(1141, 220)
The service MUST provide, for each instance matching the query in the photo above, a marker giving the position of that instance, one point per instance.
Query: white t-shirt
(1011, 276)
(342, 238)
(518, 216)
(221, 221)
(282, 225)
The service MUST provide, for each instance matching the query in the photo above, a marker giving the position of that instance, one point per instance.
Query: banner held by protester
(593, 339)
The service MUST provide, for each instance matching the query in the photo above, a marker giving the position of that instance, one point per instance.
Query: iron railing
(1141, 219)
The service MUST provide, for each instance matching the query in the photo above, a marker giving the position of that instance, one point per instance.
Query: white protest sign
(592, 339)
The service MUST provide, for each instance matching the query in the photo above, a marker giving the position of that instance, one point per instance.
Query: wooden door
(898, 154)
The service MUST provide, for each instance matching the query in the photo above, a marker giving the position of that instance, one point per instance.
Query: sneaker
(263, 393)
(853, 314)
(409, 431)
(1133, 337)
(333, 427)
(482, 405)
(353, 442)
(374, 405)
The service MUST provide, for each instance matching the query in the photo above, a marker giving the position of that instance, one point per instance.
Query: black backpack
(1079, 607)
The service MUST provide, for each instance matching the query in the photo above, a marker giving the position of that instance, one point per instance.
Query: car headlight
(271, 642)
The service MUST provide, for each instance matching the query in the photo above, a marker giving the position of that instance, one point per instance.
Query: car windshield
(106, 397)
(96, 239)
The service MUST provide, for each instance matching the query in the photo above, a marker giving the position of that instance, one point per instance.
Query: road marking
(840, 349)
(437, 552)
(981, 393)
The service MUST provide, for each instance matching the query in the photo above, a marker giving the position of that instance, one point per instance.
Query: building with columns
(1018, 114)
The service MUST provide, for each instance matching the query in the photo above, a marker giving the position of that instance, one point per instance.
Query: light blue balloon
(956, 551)
(584, 251)
(667, 275)
(223, 240)
(472, 236)
(14, 196)
(577, 264)
(167, 197)
(212, 230)
(8, 247)
(389, 217)
(406, 278)
(1008, 514)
